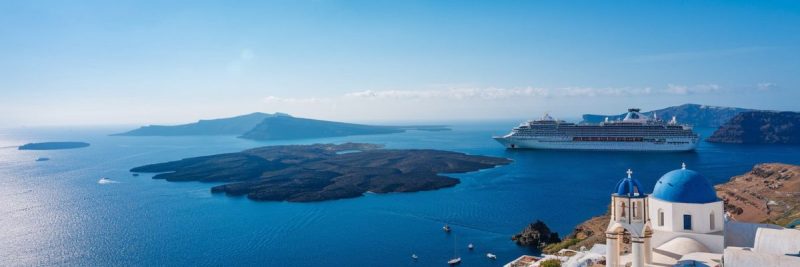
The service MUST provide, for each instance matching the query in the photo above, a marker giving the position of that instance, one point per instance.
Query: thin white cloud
(495, 93)
(689, 90)
(593, 92)
(452, 93)
(765, 86)
(499, 93)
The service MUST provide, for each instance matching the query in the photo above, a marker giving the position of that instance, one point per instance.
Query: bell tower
(629, 221)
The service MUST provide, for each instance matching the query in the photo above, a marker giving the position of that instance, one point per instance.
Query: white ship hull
(683, 144)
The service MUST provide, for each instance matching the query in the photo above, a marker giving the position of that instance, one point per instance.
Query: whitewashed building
(682, 223)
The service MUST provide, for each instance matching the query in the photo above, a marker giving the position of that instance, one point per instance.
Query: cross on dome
(629, 172)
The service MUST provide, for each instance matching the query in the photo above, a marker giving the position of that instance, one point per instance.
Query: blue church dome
(628, 187)
(685, 186)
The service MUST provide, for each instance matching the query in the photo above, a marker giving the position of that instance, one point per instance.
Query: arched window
(711, 222)
(660, 217)
(623, 209)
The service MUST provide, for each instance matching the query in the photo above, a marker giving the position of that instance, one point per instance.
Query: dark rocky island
(277, 126)
(694, 114)
(760, 127)
(53, 145)
(304, 173)
(536, 235)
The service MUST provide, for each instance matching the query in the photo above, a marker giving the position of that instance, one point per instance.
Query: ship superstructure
(636, 132)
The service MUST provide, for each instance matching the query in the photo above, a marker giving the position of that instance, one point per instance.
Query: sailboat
(456, 259)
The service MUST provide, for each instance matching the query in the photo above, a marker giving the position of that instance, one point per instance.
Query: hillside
(694, 114)
(277, 126)
(769, 193)
(760, 127)
(283, 127)
(225, 126)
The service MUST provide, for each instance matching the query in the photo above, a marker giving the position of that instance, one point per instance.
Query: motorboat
(455, 261)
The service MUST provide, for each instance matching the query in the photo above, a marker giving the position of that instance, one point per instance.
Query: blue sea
(56, 213)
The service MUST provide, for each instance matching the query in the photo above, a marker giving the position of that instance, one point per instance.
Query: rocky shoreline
(537, 234)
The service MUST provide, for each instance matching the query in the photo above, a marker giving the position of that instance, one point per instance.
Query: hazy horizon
(148, 62)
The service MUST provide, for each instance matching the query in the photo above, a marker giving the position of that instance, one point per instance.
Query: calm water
(55, 212)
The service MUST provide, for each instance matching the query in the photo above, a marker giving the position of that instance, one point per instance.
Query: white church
(682, 223)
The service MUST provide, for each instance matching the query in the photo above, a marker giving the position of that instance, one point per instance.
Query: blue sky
(141, 62)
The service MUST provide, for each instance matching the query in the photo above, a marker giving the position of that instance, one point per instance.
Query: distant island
(277, 126)
(305, 173)
(694, 114)
(763, 195)
(53, 145)
(225, 126)
(760, 127)
(284, 127)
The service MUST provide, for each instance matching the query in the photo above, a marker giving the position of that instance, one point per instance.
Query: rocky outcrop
(303, 173)
(537, 235)
(694, 114)
(760, 127)
(769, 193)
(585, 234)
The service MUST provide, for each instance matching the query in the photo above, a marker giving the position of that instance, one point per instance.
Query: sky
(165, 62)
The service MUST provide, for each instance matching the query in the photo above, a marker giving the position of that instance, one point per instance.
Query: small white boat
(471, 246)
(455, 261)
(491, 256)
(446, 228)
(105, 180)
(414, 256)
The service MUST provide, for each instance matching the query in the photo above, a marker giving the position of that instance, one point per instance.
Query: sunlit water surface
(56, 213)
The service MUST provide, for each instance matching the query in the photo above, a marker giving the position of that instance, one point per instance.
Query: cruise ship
(636, 132)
